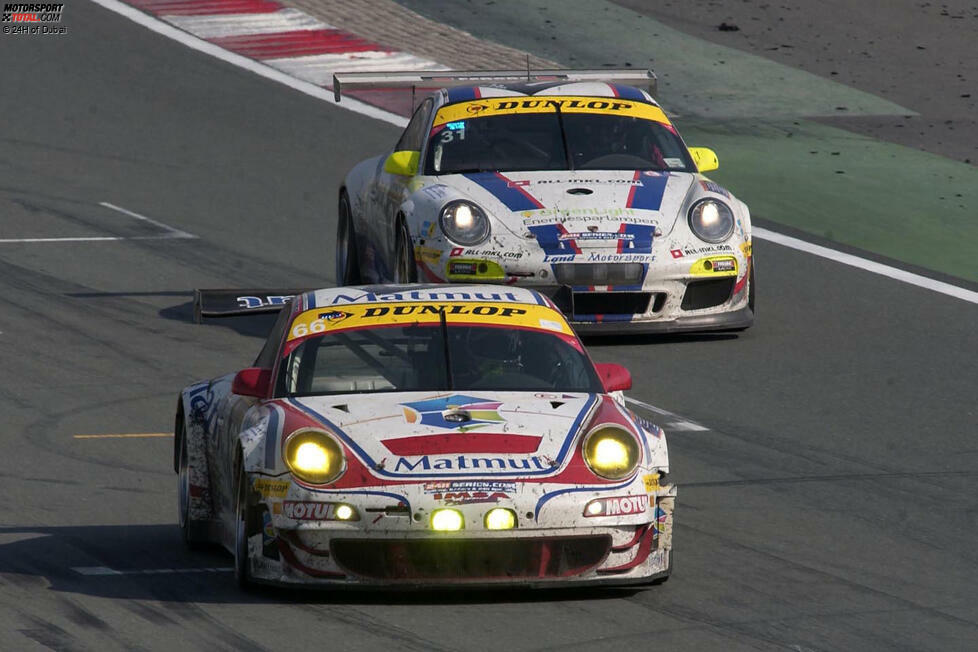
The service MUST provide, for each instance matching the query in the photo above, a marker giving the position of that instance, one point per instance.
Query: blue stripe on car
(512, 196)
(629, 93)
(648, 193)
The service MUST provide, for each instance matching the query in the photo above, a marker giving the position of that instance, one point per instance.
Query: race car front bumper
(726, 321)
(666, 306)
(393, 550)
(612, 556)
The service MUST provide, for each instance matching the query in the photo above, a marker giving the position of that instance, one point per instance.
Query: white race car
(580, 189)
(424, 436)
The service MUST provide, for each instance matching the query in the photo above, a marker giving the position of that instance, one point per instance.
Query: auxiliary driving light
(500, 518)
(344, 512)
(447, 520)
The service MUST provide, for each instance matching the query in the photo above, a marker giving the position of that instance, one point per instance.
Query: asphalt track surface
(829, 502)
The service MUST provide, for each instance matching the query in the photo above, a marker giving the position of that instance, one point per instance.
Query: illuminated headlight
(464, 222)
(500, 518)
(314, 456)
(611, 452)
(711, 220)
(447, 520)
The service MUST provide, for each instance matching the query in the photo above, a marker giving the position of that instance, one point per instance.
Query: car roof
(544, 89)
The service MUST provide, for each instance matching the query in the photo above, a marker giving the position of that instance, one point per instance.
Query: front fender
(260, 439)
(357, 185)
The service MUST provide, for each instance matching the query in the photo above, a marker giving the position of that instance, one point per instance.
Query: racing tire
(191, 531)
(750, 290)
(242, 566)
(405, 268)
(347, 261)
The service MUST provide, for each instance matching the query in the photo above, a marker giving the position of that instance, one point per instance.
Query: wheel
(405, 270)
(242, 568)
(347, 262)
(189, 529)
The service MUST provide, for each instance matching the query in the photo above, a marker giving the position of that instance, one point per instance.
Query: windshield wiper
(563, 136)
(448, 358)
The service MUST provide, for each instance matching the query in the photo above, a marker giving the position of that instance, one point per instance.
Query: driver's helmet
(494, 349)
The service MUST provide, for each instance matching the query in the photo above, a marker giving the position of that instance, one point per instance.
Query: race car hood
(456, 434)
(582, 201)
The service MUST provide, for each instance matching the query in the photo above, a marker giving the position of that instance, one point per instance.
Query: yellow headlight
(314, 456)
(500, 518)
(447, 520)
(611, 452)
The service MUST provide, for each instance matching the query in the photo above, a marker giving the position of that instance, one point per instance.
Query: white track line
(171, 232)
(868, 265)
(105, 570)
(107, 238)
(169, 31)
(677, 423)
(221, 25)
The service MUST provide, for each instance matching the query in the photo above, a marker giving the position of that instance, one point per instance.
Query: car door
(389, 191)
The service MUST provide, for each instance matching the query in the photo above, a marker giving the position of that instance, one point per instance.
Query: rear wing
(234, 303)
(344, 82)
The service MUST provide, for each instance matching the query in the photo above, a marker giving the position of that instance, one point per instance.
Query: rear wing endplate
(344, 82)
(234, 303)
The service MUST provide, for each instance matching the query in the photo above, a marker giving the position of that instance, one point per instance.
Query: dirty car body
(583, 191)
(424, 435)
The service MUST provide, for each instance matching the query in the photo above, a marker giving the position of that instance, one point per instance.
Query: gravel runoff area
(919, 54)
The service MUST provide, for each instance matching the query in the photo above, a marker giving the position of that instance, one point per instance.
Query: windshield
(415, 357)
(554, 141)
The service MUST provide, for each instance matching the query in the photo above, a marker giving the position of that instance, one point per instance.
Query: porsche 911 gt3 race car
(424, 435)
(580, 189)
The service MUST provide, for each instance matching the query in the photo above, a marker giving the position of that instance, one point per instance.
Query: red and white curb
(288, 40)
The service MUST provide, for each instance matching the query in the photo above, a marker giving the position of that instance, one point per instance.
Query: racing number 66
(316, 326)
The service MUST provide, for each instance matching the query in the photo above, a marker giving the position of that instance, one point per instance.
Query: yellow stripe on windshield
(567, 104)
(347, 316)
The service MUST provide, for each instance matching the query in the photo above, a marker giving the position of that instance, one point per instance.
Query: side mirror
(403, 163)
(705, 158)
(614, 376)
(253, 381)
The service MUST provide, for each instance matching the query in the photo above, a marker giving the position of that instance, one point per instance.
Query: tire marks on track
(401, 638)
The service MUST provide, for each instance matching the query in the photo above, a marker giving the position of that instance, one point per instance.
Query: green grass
(899, 202)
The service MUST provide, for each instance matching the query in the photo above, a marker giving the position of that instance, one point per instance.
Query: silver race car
(424, 435)
(579, 188)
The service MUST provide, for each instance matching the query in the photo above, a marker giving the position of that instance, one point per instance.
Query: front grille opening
(707, 294)
(611, 303)
(459, 560)
(659, 302)
(599, 273)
